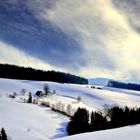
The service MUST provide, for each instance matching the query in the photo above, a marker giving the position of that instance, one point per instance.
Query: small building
(39, 93)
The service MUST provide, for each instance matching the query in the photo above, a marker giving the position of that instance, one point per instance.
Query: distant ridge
(99, 81)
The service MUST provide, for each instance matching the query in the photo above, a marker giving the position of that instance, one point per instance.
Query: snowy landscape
(69, 70)
(35, 122)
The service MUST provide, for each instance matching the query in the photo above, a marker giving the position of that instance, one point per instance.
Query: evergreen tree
(92, 122)
(3, 135)
(29, 98)
(98, 122)
(79, 122)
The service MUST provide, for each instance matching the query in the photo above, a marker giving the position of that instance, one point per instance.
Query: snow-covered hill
(93, 97)
(28, 121)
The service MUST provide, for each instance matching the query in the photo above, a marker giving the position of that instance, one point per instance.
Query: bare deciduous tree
(79, 99)
(23, 91)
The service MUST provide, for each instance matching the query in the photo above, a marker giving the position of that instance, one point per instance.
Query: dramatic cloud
(131, 9)
(20, 26)
(12, 55)
(93, 38)
(110, 43)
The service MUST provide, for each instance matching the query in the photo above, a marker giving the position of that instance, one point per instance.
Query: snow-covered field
(32, 122)
(95, 98)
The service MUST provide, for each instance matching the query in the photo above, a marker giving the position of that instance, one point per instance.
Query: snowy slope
(95, 98)
(30, 122)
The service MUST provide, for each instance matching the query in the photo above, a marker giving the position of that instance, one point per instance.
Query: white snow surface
(95, 98)
(32, 122)
(24, 121)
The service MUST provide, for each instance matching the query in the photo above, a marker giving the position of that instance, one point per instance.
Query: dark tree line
(117, 84)
(16, 72)
(116, 117)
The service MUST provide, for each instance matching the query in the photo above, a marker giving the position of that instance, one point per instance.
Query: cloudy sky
(91, 38)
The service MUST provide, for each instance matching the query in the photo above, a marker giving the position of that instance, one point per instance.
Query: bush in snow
(11, 96)
(39, 93)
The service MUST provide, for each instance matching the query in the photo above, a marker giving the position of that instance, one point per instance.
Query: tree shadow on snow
(62, 131)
